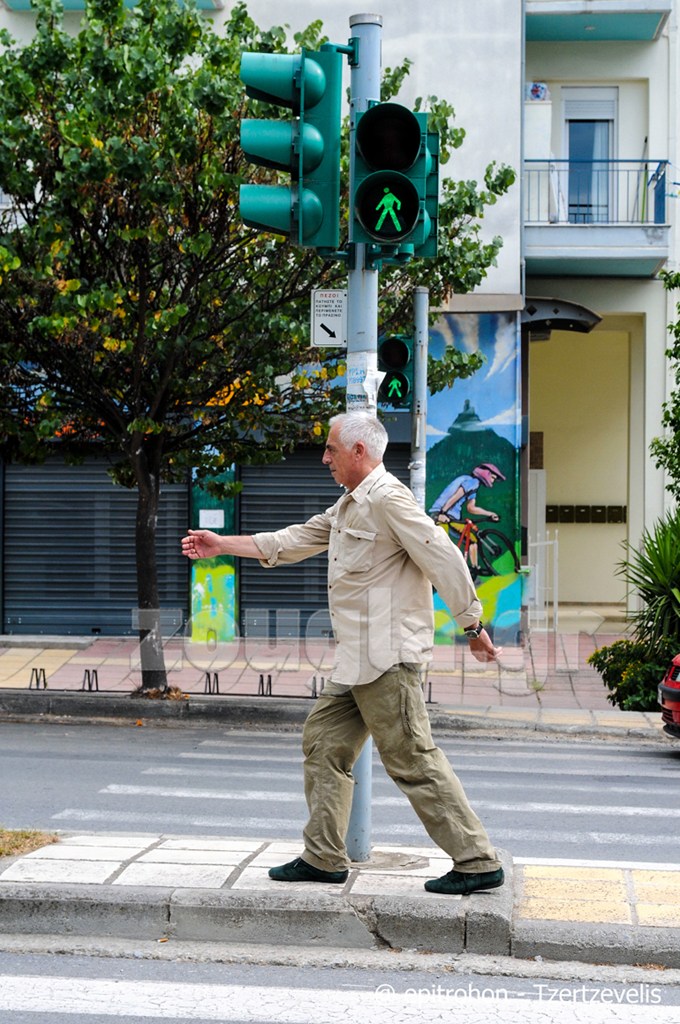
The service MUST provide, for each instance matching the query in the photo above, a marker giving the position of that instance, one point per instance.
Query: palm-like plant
(654, 571)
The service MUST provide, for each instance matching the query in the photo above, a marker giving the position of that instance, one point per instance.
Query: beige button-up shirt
(384, 554)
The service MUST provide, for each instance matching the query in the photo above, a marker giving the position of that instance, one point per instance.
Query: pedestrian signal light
(395, 361)
(396, 177)
(307, 146)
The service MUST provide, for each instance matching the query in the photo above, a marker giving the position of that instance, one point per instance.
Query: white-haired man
(384, 555)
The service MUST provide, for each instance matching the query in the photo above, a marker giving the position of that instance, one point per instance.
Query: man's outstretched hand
(202, 544)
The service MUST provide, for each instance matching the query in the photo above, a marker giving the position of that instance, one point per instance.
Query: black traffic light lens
(387, 206)
(389, 137)
(394, 354)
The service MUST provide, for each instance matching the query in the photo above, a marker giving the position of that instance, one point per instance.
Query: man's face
(340, 460)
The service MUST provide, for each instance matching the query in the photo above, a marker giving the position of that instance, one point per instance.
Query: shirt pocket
(356, 552)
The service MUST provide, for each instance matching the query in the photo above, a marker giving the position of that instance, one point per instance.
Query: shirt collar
(362, 490)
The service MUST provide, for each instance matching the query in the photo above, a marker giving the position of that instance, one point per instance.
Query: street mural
(474, 436)
(213, 580)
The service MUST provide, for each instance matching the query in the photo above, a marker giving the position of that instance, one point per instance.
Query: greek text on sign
(329, 318)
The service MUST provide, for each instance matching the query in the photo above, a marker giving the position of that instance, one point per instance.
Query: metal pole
(363, 379)
(418, 464)
(362, 281)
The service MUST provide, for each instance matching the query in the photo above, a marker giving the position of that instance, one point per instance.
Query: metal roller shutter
(291, 599)
(69, 550)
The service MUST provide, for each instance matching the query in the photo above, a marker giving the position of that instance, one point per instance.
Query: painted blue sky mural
(492, 392)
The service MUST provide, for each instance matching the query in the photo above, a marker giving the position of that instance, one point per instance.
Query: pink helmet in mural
(486, 472)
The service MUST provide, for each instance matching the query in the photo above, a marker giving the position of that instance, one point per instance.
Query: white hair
(361, 426)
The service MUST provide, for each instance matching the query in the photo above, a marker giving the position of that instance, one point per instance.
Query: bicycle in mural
(489, 544)
(482, 547)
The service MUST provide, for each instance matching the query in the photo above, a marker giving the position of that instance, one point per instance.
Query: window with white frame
(590, 114)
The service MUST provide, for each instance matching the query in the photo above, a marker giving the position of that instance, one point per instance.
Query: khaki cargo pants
(392, 710)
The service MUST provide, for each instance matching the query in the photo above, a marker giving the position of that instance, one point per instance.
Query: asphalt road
(564, 799)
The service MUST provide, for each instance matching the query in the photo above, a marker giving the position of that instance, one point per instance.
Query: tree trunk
(152, 659)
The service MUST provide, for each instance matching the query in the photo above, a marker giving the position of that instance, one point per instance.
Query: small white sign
(329, 318)
(211, 519)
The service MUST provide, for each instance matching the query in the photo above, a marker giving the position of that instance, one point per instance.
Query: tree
(666, 450)
(137, 313)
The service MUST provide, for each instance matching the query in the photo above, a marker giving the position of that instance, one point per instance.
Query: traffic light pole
(363, 379)
(362, 280)
(421, 309)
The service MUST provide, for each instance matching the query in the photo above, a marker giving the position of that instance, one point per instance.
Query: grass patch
(15, 841)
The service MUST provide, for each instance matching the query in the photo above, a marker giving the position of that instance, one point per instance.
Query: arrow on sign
(329, 332)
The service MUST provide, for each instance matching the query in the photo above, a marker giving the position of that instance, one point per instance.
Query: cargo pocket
(414, 717)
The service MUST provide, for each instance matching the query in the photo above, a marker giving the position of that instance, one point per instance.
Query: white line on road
(411, 834)
(603, 772)
(469, 775)
(529, 807)
(381, 1004)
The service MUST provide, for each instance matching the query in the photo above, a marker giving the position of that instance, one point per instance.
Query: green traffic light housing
(396, 179)
(307, 146)
(395, 360)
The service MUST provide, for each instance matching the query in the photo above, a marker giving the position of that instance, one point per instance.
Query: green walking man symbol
(388, 203)
(394, 388)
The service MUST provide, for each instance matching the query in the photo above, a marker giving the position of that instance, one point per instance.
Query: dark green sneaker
(299, 870)
(459, 883)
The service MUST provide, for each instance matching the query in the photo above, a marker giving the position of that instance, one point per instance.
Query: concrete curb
(272, 713)
(596, 943)
(264, 712)
(480, 923)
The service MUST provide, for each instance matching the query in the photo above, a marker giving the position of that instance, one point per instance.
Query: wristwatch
(472, 632)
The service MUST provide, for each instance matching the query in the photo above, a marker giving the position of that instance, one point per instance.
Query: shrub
(654, 572)
(631, 674)
(632, 669)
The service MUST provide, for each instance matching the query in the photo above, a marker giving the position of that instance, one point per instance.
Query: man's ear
(360, 449)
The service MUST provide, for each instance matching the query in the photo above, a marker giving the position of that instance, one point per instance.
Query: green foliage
(631, 674)
(666, 450)
(454, 364)
(654, 572)
(632, 669)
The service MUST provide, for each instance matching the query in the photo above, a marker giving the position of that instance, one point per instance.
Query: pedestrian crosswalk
(536, 799)
(37, 999)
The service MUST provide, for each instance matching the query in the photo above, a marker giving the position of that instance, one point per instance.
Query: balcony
(591, 21)
(601, 218)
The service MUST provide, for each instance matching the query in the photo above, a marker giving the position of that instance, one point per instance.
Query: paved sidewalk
(155, 887)
(549, 671)
(546, 684)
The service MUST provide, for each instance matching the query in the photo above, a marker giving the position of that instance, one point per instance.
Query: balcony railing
(595, 191)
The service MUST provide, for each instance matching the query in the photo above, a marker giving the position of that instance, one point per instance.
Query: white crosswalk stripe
(65, 998)
(529, 807)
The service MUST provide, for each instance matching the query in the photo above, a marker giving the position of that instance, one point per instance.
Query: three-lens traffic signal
(395, 199)
(395, 360)
(307, 146)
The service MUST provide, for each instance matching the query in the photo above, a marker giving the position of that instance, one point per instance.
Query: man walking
(384, 555)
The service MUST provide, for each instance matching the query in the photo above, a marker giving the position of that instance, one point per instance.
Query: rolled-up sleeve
(294, 543)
